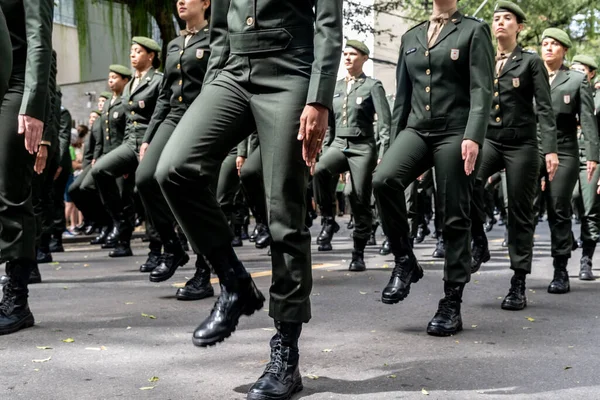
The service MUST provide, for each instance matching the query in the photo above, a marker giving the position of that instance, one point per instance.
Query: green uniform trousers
(521, 160)
(558, 196)
(410, 155)
(248, 91)
(359, 156)
(590, 218)
(251, 177)
(43, 201)
(229, 190)
(17, 221)
(85, 196)
(6, 55)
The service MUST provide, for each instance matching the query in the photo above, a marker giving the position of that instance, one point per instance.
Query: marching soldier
(301, 41)
(5, 55)
(185, 68)
(358, 101)
(586, 189)
(439, 120)
(573, 104)
(21, 127)
(512, 144)
(139, 100)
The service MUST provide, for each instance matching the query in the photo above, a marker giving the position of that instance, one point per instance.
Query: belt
(267, 40)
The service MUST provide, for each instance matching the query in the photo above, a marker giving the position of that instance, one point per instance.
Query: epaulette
(416, 26)
(474, 19)
(529, 51)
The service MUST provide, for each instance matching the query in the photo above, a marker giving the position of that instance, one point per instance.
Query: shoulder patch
(474, 19)
(529, 51)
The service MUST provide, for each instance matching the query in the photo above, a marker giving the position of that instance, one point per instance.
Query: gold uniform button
(181, 52)
(344, 105)
(428, 89)
(427, 53)
(108, 138)
(249, 21)
(106, 121)
(497, 106)
(180, 82)
(133, 113)
(496, 94)
(427, 107)
(178, 66)
(498, 119)
(131, 102)
(344, 114)
(134, 123)
(428, 72)
(180, 99)
(496, 81)
(106, 129)
(345, 122)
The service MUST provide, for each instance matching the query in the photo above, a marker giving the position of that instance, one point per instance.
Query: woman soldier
(139, 100)
(444, 74)
(511, 143)
(573, 105)
(185, 67)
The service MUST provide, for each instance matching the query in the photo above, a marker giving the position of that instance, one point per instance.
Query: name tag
(410, 51)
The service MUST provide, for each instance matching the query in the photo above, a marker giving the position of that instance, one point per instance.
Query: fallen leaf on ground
(128, 327)
(65, 287)
(362, 292)
(268, 329)
(385, 266)
(475, 281)
(129, 303)
(86, 265)
(526, 327)
(148, 316)
(54, 263)
(373, 331)
(44, 347)
(473, 326)
(43, 360)
(425, 392)
(153, 379)
(327, 350)
(36, 369)
(68, 340)
(93, 348)
(568, 367)
(58, 268)
(391, 376)
(313, 377)
(147, 387)
(530, 319)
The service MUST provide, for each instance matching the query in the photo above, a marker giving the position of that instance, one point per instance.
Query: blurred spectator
(72, 214)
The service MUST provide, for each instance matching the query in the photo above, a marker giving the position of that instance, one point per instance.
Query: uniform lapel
(561, 77)
(449, 27)
(147, 78)
(358, 83)
(422, 34)
(196, 38)
(513, 61)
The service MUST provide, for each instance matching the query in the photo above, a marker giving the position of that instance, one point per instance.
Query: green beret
(121, 70)
(97, 112)
(147, 43)
(106, 95)
(586, 60)
(360, 46)
(504, 6)
(558, 35)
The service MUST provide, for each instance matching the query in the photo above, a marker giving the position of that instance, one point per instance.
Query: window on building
(64, 12)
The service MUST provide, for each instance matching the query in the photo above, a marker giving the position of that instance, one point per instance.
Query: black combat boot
(358, 256)
(237, 236)
(516, 299)
(183, 240)
(585, 267)
(101, 238)
(422, 232)
(385, 248)
(56, 244)
(199, 286)
(447, 320)
(173, 258)
(124, 229)
(14, 310)
(406, 271)
(440, 248)
(489, 225)
(505, 241)
(351, 222)
(560, 283)
(281, 378)
(43, 256)
(263, 238)
(152, 262)
(330, 227)
(481, 252)
(372, 241)
(245, 235)
(35, 276)
(254, 233)
(111, 240)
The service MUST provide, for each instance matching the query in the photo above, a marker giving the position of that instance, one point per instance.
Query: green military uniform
(5, 55)
(435, 110)
(269, 56)
(512, 144)
(30, 26)
(357, 103)
(138, 104)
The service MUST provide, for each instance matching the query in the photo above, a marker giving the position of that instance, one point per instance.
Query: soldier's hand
(591, 168)
(551, 165)
(143, 149)
(93, 162)
(543, 184)
(40, 159)
(57, 174)
(470, 150)
(239, 163)
(313, 125)
(32, 128)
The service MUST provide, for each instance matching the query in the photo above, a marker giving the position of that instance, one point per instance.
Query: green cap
(559, 35)
(97, 112)
(509, 6)
(358, 45)
(586, 60)
(121, 70)
(106, 95)
(148, 43)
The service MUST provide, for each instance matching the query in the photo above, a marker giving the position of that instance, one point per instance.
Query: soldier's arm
(481, 60)
(38, 27)
(99, 146)
(161, 110)
(242, 148)
(64, 134)
(402, 104)
(588, 122)
(384, 117)
(49, 134)
(219, 40)
(328, 47)
(543, 103)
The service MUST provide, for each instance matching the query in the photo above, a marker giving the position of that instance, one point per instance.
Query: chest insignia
(567, 99)
(199, 53)
(142, 104)
(359, 100)
(454, 54)
(411, 51)
(516, 82)
(115, 115)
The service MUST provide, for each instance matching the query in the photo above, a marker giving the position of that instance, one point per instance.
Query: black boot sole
(325, 247)
(184, 260)
(181, 295)
(296, 388)
(263, 244)
(512, 306)
(397, 299)
(587, 278)
(127, 253)
(384, 252)
(441, 332)
(357, 268)
(26, 322)
(437, 254)
(249, 309)
(557, 291)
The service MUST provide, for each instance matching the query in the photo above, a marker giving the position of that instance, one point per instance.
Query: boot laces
(276, 364)
(8, 300)
(402, 268)
(446, 308)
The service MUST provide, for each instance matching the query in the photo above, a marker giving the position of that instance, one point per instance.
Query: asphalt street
(103, 331)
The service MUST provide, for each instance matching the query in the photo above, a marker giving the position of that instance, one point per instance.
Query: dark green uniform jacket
(112, 127)
(523, 77)
(185, 69)
(355, 112)
(139, 106)
(572, 97)
(428, 98)
(64, 138)
(90, 142)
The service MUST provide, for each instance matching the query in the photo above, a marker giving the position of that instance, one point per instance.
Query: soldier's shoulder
(576, 74)
(174, 44)
(474, 19)
(373, 81)
(410, 30)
